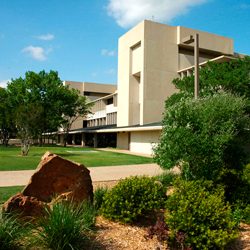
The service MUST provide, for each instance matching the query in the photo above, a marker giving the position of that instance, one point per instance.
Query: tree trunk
(25, 147)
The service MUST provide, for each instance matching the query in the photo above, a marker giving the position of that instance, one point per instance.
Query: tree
(77, 106)
(233, 77)
(204, 137)
(27, 118)
(41, 104)
(6, 125)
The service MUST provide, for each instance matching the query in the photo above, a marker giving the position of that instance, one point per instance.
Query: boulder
(25, 206)
(55, 179)
(56, 176)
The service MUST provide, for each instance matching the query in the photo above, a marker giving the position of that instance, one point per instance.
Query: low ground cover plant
(132, 198)
(65, 226)
(197, 210)
(11, 232)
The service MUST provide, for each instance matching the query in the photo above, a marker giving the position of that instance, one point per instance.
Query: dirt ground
(115, 236)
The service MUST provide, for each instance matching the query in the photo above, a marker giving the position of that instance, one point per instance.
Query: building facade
(150, 56)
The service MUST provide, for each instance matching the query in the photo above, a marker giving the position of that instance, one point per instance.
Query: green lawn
(10, 158)
(7, 192)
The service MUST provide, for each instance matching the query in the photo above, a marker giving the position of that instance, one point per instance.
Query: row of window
(109, 120)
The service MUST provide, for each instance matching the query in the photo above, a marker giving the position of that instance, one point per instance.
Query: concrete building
(150, 56)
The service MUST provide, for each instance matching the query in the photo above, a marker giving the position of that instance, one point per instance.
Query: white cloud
(244, 6)
(46, 37)
(110, 71)
(129, 12)
(3, 83)
(37, 53)
(106, 52)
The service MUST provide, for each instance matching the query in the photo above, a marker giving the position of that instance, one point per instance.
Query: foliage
(76, 106)
(198, 210)
(6, 124)
(40, 103)
(65, 226)
(99, 194)
(233, 77)
(204, 137)
(160, 230)
(133, 197)
(11, 232)
(166, 178)
(246, 214)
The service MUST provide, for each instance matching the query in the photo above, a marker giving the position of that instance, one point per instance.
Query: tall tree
(6, 124)
(233, 77)
(41, 104)
(76, 107)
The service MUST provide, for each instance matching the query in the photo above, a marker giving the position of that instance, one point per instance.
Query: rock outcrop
(25, 206)
(55, 179)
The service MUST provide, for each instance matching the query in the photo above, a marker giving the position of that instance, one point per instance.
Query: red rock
(56, 176)
(25, 206)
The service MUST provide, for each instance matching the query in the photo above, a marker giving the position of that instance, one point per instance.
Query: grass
(7, 192)
(11, 159)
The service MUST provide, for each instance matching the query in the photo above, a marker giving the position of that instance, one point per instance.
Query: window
(110, 101)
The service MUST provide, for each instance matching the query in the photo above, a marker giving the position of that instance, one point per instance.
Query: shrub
(166, 178)
(11, 231)
(132, 198)
(65, 226)
(204, 137)
(241, 213)
(198, 211)
(99, 196)
(246, 214)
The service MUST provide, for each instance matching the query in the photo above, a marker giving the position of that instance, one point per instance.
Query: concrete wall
(207, 41)
(128, 96)
(149, 56)
(123, 140)
(143, 142)
(160, 68)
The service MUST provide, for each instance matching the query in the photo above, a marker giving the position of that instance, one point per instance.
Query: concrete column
(196, 64)
(73, 139)
(83, 140)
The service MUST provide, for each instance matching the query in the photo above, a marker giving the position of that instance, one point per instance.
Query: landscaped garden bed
(113, 235)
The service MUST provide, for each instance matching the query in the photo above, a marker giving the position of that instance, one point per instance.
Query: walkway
(124, 151)
(21, 178)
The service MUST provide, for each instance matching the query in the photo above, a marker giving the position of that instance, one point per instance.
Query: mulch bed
(116, 236)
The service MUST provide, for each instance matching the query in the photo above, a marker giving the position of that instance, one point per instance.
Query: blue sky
(78, 38)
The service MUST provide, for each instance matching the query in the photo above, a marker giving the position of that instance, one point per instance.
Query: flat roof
(113, 129)
(219, 59)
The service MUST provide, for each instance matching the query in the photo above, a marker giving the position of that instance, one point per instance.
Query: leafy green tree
(204, 137)
(77, 107)
(233, 77)
(40, 104)
(6, 124)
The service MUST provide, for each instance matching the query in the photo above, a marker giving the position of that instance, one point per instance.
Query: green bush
(99, 196)
(166, 178)
(204, 137)
(65, 226)
(11, 232)
(197, 210)
(246, 214)
(132, 198)
(241, 213)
